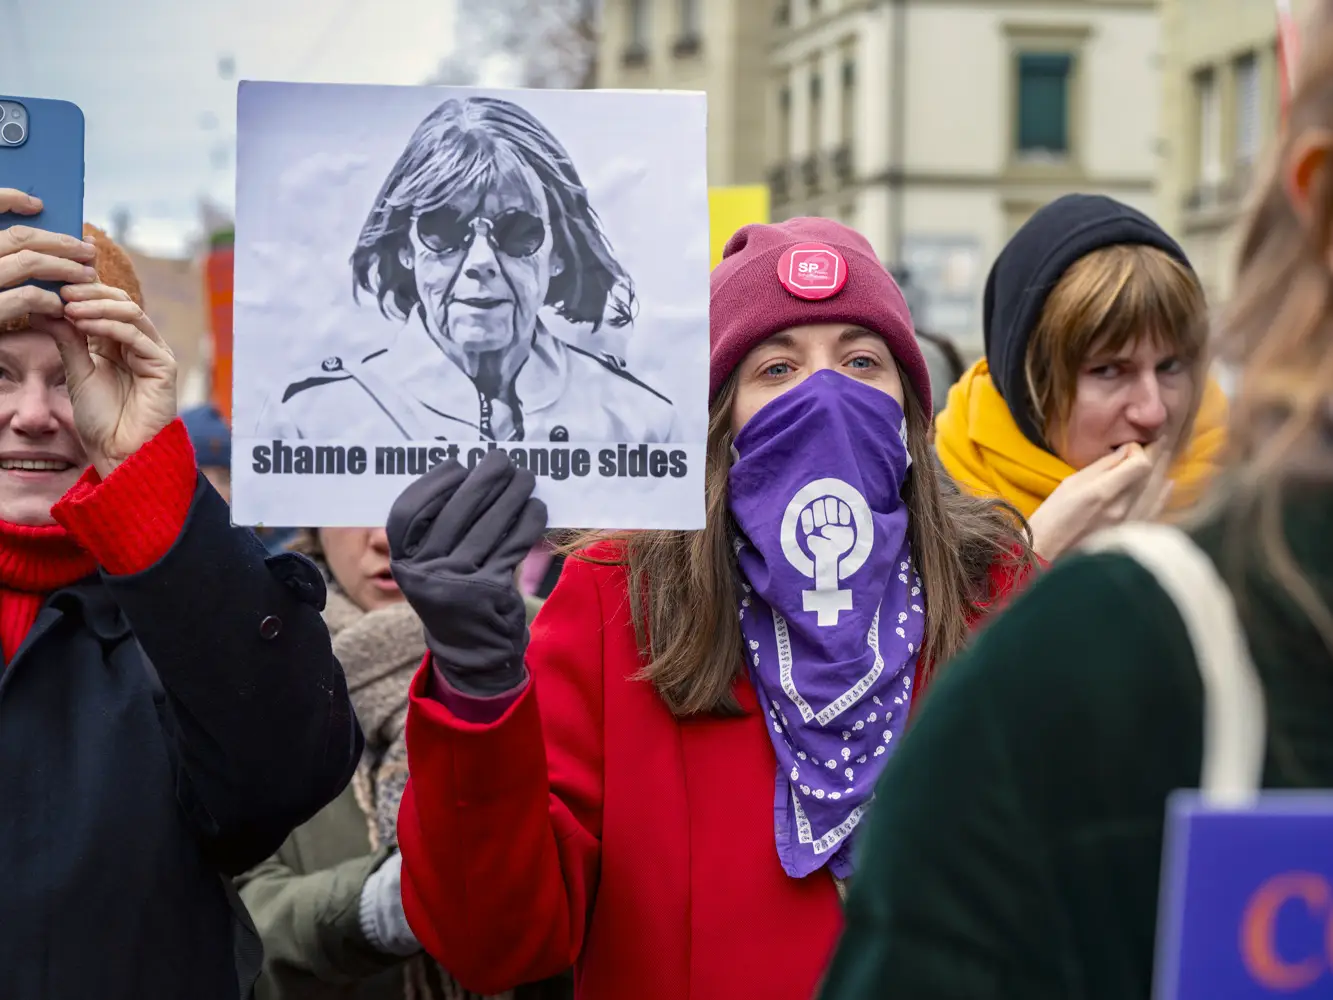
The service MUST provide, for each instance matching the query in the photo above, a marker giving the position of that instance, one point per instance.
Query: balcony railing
(1225, 193)
(810, 172)
(687, 45)
(841, 162)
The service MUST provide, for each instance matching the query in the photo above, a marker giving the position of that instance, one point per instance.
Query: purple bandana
(833, 612)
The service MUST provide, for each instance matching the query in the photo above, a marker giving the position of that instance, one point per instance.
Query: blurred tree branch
(537, 43)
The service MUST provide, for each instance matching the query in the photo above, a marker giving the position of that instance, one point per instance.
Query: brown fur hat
(113, 266)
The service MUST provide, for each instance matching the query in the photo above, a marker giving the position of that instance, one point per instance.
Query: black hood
(1032, 263)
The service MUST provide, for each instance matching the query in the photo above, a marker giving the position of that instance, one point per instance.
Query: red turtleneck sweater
(123, 524)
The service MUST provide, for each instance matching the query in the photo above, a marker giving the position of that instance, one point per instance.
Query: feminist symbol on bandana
(833, 520)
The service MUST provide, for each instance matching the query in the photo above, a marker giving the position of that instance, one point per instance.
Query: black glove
(455, 541)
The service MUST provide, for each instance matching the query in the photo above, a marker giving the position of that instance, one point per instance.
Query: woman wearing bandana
(666, 790)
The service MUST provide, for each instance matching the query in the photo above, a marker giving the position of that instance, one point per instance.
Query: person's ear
(1304, 168)
(557, 264)
(406, 257)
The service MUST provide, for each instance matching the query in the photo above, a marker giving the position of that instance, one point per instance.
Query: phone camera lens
(12, 132)
(3, 109)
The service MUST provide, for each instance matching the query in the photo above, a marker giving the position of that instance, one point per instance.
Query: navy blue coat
(159, 733)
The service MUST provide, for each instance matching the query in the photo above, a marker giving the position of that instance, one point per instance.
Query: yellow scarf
(980, 445)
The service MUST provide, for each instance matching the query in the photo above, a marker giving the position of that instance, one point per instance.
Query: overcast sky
(160, 121)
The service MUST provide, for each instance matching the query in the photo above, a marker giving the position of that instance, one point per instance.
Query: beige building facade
(717, 46)
(1220, 92)
(936, 127)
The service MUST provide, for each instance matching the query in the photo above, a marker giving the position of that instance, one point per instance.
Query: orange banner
(218, 270)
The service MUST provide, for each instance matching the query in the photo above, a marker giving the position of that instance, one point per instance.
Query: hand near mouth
(1156, 489)
(1128, 484)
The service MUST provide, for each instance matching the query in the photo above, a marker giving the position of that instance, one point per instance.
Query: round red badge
(812, 271)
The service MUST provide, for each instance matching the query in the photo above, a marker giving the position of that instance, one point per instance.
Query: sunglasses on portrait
(514, 232)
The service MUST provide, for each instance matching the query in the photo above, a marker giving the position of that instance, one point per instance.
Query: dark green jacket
(1016, 842)
(304, 900)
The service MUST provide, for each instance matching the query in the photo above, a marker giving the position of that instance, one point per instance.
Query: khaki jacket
(305, 901)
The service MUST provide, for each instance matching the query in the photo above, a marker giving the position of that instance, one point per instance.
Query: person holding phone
(170, 707)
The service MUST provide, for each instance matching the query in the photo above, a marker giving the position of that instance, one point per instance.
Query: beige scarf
(380, 652)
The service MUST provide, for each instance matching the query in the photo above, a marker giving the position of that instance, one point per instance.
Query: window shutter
(1210, 129)
(638, 22)
(689, 18)
(1043, 102)
(1247, 109)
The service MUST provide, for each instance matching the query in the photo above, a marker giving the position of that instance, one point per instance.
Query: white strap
(1234, 723)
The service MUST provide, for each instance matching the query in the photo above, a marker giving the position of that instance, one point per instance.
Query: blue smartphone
(41, 153)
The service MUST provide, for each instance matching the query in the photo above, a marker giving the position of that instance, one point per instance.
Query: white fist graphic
(827, 532)
(827, 524)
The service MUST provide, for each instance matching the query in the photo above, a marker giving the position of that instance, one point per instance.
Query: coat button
(270, 627)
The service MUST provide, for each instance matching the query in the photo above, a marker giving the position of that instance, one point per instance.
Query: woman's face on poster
(483, 265)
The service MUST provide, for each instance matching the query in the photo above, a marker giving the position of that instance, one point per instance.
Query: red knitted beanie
(799, 272)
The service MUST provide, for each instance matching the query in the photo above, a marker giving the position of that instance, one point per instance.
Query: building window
(1247, 109)
(784, 125)
(688, 41)
(848, 99)
(1209, 128)
(816, 120)
(638, 24)
(689, 18)
(1043, 104)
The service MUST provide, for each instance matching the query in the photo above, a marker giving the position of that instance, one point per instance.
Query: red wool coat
(588, 826)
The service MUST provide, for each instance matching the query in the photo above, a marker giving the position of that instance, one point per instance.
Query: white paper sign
(425, 273)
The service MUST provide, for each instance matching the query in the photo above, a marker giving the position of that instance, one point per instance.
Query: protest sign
(428, 273)
(1247, 899)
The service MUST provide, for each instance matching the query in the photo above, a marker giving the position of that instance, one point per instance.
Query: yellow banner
(730, 208)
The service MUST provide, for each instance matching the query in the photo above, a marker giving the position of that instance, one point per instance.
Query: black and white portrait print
(513, 269)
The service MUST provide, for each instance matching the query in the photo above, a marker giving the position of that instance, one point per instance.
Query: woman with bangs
(482, 241)
(1092, 405)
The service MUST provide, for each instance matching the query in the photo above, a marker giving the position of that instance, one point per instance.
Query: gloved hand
(380, 913)
(455, 541)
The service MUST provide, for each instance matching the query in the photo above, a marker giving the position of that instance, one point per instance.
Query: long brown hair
(684, 585)
(1278, 331)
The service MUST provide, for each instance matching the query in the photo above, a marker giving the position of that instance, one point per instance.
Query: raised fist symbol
(827, 525)
(827, 531)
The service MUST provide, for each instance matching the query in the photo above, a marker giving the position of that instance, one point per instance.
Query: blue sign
(1247, 899)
